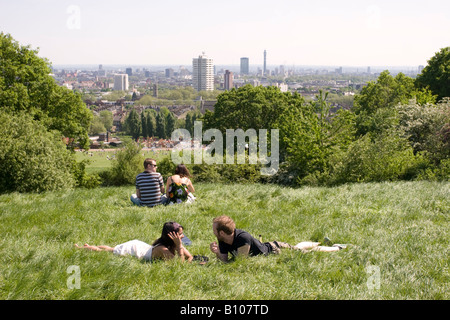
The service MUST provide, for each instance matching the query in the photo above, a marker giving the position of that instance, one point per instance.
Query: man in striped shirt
(149, 185)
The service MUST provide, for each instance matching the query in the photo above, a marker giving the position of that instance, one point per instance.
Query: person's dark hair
(182, 171)
(165, 239)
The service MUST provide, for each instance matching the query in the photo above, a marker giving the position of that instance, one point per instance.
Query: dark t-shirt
(241, 238)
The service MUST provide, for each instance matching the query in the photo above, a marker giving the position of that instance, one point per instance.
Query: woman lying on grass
(167, 247)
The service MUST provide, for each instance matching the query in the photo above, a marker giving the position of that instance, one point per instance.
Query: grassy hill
(398, 231)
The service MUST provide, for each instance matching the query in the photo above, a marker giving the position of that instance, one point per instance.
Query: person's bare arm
(190, 186)
(188, 256)
(169, 181)
(214, 247)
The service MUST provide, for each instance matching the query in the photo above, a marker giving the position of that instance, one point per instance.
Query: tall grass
(400, 229)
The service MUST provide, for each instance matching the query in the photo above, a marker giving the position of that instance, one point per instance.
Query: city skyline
(348, 33)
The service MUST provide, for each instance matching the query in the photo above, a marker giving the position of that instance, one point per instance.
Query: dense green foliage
(32, 158)
(127, 163)
(374, 105)
(26, 85)
(436, 75)
(393, 132)
(150, 123)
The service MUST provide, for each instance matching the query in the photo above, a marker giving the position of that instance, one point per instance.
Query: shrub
(32, 158)
(437, 173)
(82, 179)
(427, 128)
(387, 158)
(127, 164)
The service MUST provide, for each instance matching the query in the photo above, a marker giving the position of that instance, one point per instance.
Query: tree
(106, 118)
(151, 122)
(97, 126)
(250, 107)
(436, 75)
(191, 117)
(170, 124)
(374, 105)
(26, 85)
(133, 124)
(161, 125)
(144, 125)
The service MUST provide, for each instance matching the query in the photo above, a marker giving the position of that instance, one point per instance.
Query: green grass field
(101, 160)
(398, 231)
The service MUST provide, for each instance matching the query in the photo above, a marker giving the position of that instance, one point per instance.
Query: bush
(32, 158)
(82, 179)
(427, 128)
(127, 164)
(215, 172)
(439, 173)
(387, 158)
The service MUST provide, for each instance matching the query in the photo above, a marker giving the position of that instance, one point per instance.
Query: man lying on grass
(240, 243)
(168, 246)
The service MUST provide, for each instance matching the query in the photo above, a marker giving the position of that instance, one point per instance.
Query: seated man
(240, 243)
(149, 185)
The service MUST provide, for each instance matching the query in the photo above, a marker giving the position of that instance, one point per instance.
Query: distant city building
(121, 82)
(228, 80)
(203, 73)
(368, 70)
(244, 65)
(420, 69)
(282, 71)
(129, 71)
(169, 73)
(101, 72)
(265, 69)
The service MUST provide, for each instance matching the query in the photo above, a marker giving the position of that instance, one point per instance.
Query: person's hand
(176, 238)
(214, 247)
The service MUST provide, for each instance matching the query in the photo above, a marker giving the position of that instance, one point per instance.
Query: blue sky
(294, 32)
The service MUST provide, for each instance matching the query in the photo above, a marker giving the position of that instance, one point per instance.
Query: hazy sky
(294, 32)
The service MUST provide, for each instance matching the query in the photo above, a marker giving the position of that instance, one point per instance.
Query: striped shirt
(149, 185)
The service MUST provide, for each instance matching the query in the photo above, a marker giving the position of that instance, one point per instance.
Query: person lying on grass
(168, 246)
(240, 243)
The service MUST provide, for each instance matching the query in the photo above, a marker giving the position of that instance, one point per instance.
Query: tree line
(160, 124)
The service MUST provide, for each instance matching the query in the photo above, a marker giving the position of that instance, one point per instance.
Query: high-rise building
(129, 71)
(169, 73)
(265, 66)
(420, 69)
(244, 66)
(203, 73)
(101, 71)
(121, 82)
(228, 80)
